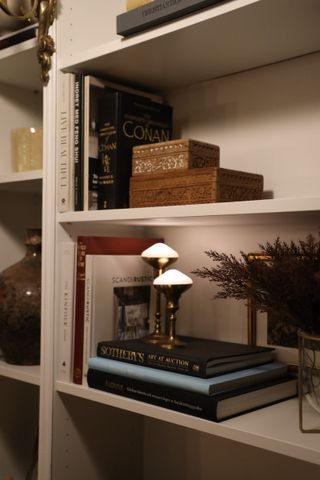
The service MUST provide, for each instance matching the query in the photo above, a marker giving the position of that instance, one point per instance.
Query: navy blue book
(217, 407)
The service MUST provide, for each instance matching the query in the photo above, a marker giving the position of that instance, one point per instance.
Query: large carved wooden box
(203, 185)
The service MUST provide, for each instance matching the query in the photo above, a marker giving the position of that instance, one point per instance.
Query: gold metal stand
(44, 12)
(158, 257)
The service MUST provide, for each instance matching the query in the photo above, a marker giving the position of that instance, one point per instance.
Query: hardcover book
(206, 386)
(199, 185)
(157, 12)
(78, 152)
(93, 89)
(118, 292)
(201, 357)
(126, 120)
(178, 154)
(96, 245)
(65, 173)
(215, 407)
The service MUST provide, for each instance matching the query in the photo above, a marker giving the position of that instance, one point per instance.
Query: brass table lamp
(172, 284)
(159, 256)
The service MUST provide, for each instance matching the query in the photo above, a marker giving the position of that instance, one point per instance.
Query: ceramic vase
(20, 305)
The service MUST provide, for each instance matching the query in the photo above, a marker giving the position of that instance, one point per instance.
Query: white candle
(159, 250)
(173, 277)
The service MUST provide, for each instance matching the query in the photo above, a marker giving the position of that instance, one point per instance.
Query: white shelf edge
(155, 32)
(19, 48)
(256, 24)
(27, 374)
(21, 176)
(194, 214)
(248, 429)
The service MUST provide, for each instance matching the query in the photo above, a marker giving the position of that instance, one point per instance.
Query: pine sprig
(286, 283)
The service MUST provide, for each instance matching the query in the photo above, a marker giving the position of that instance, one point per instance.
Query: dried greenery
(285, 283)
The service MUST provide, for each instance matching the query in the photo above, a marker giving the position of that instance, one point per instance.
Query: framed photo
(270, 330)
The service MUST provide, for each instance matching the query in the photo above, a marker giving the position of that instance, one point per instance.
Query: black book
(157, 12)
(125, 120)
(78, 144)
(201, 357)
(216, 407)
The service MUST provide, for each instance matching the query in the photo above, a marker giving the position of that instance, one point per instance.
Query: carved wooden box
(173, 155)
(185, 187)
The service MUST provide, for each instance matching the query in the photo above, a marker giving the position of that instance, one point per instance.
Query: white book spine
(87, 332)
(66, 310)
(65, 143)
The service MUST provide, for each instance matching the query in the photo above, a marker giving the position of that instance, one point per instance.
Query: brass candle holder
(172, 284)
(159, 256)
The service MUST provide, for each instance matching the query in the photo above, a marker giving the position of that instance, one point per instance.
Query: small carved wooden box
(173, 155)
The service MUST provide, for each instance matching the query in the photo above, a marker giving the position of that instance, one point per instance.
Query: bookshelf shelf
(19, 66)
(22, 181)
(273, 428)
(28, 374)
(263, 32)
(261, 211)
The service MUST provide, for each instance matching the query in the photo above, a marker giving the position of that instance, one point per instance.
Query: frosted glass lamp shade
(173, 277)
(159, 250)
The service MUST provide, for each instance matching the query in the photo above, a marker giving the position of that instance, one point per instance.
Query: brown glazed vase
(20, 305)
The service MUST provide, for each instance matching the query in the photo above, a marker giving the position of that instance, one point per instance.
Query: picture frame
(257, 326)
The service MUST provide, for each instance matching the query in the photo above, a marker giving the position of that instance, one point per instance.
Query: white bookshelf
(17, 59)
(23, 373)
(230, 37)
(243, 74)
(273, 428)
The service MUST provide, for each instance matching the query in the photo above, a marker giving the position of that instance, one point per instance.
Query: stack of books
(210, 379)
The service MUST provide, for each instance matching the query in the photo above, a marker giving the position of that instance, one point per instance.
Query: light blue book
(207, 386)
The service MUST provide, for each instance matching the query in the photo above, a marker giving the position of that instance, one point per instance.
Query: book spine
(146, 16)
(87, 316)
(179, 400)
(108, 144)
(79, 314)
(78, 141)
(66, 307)
(64, 129)
(142, 358)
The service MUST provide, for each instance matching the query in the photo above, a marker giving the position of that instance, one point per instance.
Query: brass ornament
(44, 12)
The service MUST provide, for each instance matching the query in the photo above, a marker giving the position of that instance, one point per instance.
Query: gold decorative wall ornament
(44, 12)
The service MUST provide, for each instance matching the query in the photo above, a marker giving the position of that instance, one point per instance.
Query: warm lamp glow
(159, 250)
(173, 277)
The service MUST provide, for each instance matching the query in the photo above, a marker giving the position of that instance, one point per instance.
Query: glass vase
(309, 382)
(20, 304)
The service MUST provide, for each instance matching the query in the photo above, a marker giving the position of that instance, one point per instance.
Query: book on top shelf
(65, 128)
(218, 407)
(93, 89)
(200, 357)
(96, 245)
(157, 12)
(126, 120)
(206, 386)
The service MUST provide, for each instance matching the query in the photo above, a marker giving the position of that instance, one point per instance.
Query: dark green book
(125, 120)
(201, 357)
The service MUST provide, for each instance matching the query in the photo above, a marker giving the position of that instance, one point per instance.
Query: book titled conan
(125, 120)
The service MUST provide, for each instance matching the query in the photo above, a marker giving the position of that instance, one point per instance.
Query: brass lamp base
(154, 338)
(172, 342)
